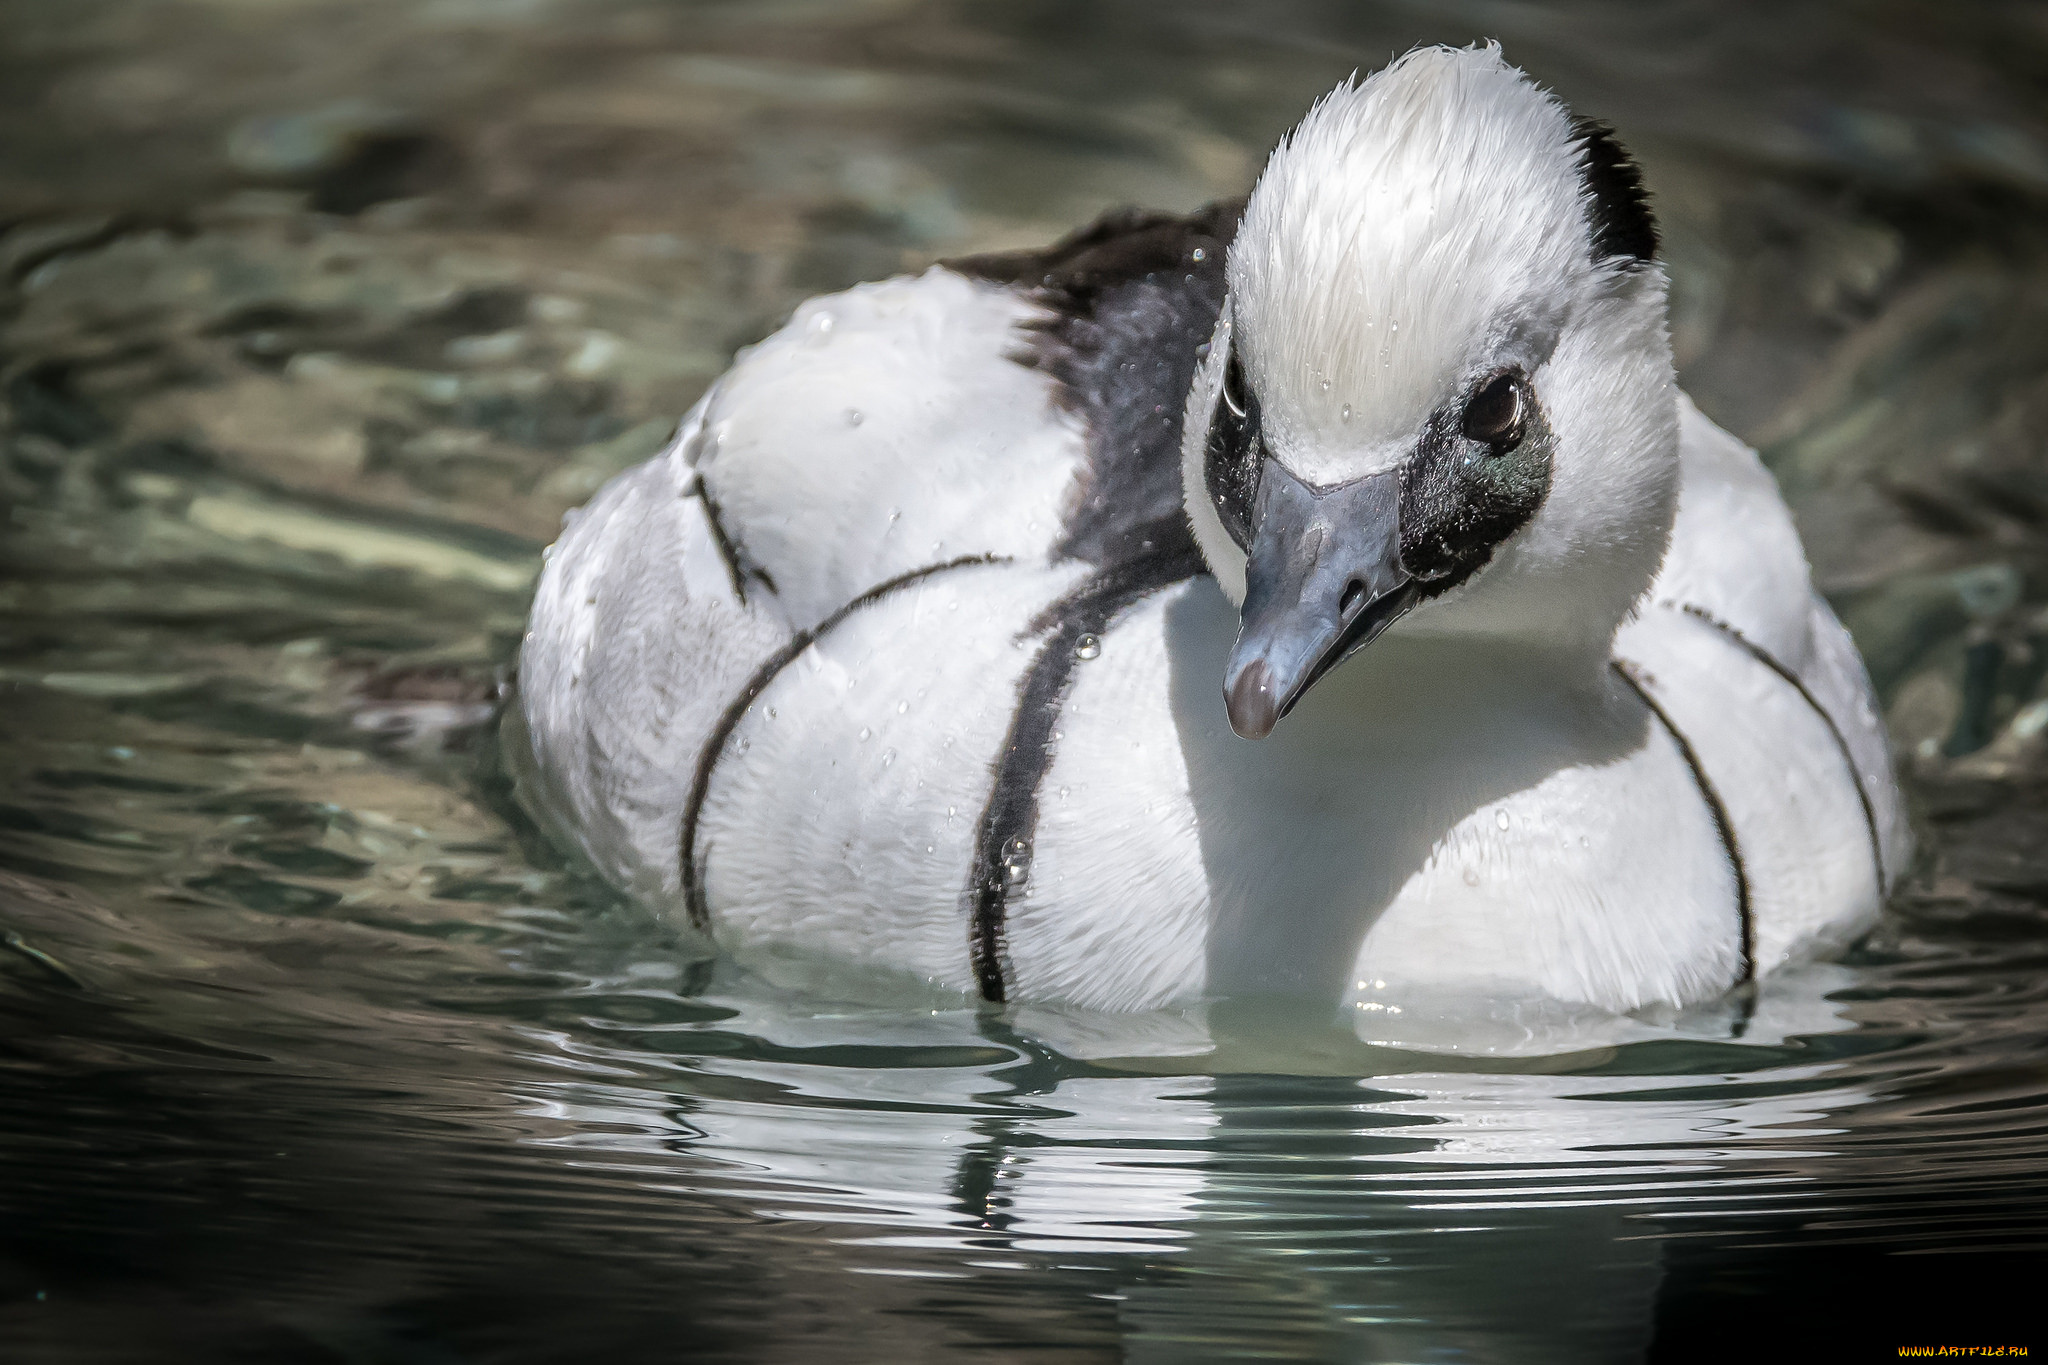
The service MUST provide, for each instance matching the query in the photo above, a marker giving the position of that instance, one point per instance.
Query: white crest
(1412, 227)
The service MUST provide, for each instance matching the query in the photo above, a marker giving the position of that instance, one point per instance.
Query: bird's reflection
(1201, 1161)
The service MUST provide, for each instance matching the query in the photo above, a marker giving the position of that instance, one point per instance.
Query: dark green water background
(317, 314)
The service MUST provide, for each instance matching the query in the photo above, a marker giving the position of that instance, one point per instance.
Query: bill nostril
(1353, 599)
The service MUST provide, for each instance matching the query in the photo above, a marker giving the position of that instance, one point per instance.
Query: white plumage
(783, 679)
(1397, 231)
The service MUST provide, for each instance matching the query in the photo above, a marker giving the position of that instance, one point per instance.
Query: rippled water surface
(317, 316)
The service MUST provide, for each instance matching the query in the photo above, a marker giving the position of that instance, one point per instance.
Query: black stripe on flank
(1768, 660)
(714, 746)
(1002, 842)
(726, 553)
(1723, 826)
(728, 548)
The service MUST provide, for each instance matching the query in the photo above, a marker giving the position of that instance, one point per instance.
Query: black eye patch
(1482, 470)
(1230, 465)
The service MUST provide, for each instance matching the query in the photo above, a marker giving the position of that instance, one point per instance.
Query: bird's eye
(1493, 416)
(1234, 388)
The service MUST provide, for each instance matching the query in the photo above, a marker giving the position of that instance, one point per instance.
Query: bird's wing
(1024, 406)
(1015, 415)
(883, 429)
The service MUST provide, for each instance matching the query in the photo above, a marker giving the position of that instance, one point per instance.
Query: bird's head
(1440, 390)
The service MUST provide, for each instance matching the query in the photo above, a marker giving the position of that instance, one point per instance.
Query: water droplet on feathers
(1016, 860)
(1087, 647)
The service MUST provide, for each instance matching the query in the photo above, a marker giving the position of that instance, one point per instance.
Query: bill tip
(1253, 708)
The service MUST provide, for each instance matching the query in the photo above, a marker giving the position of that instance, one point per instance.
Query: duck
(1325, 595)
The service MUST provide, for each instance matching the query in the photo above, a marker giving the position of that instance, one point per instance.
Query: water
(321, 313)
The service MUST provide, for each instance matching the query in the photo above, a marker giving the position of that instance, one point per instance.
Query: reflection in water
(461, 1129)
(318, 315)
(1382, 1219)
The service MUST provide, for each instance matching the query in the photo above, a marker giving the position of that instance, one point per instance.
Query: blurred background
(315, 315)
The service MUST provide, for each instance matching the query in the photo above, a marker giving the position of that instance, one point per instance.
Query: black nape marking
(1723, 825)
(1132, 298)
(714, 746)
(1617, 205)
(1770, 661)
(1009, 824)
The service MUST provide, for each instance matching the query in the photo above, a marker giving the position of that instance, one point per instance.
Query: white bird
(906, 655)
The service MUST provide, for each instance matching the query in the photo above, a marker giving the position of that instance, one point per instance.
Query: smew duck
(1324, 594)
